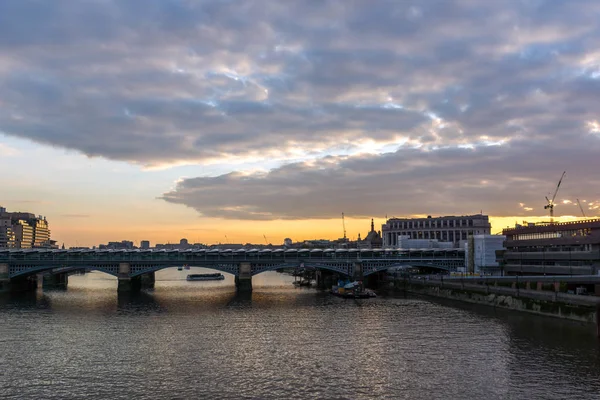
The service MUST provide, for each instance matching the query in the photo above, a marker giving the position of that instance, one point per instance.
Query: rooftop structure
(372, 240)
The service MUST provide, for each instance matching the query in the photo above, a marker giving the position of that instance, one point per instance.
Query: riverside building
(445, 229)
(23, 230)
(7, 236)
(562, 248)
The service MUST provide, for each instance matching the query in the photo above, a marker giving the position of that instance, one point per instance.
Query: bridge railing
(222, 256)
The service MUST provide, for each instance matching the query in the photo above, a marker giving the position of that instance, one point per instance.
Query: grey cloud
(157, 81)
(410, 181)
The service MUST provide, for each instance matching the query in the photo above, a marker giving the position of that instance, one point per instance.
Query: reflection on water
(203, 340)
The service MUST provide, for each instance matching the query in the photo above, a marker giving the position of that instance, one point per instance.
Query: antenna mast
(344, 226)
(550, 204)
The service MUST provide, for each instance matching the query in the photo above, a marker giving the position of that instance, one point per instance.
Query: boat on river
(205, 277)
(352, 290)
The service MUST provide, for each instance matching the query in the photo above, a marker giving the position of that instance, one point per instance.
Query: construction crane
(550, 204)
(344, 225)
(266, 241)
(581, 208)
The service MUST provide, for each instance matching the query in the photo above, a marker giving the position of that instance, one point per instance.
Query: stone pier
(4, 279)
(598, 321)
(324, 279)
(358, 272)
(319, 279)
(53, 281)
(243, 281)
(126, 282)
(147, 280)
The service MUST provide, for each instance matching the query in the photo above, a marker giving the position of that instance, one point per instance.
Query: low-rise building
(480, 254)
(122, 245)
(567, 248)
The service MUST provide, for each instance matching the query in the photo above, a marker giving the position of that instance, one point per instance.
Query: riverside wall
(551, 303)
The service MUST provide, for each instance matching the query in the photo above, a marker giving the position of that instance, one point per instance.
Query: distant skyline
(163, 119)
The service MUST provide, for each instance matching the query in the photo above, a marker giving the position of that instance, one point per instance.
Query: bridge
(136, 268)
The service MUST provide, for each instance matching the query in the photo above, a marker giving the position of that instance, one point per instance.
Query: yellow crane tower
(550, 204)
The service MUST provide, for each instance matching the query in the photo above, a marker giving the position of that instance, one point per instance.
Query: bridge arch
(137, 270)
(16, 272)
(367, 270)
(340, 268)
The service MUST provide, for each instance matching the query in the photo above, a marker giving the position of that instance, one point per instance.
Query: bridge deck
(21, 262)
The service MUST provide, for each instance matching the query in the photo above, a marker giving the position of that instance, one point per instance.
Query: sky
(230, 121)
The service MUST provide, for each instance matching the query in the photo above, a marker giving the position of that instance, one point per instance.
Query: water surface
(202, 340)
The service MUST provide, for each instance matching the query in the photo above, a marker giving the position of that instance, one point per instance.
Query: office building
(27, 230)
(23, 234)
(455, 229)
(7, 236)
(567, 248)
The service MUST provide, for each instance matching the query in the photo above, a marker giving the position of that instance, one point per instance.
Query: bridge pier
(130, 284)
(53, 281)
(147, 280)
(324, 279)
(126, 282)
(20, 284)
(358, 272)
(319, 279)
(4, 279)
(243, 280)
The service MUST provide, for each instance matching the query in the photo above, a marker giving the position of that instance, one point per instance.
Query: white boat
(205, 277)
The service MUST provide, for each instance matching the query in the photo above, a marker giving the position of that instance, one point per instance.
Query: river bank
(550, 303)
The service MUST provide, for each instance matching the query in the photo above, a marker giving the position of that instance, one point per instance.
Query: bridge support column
(147, 280)
(358, 272)
(4, 279)
(319, 279)
(20, 284)
(324, 279)
(243, 280)
(53, 281)
(126, 282)
(130, 284)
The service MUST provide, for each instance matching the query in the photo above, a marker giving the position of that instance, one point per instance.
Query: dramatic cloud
(499, 180)
(168, 81)
(371, 107)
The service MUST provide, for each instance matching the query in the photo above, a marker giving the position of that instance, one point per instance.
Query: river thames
(200, 340)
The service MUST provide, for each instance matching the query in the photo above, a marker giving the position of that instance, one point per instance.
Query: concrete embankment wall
(562, 305)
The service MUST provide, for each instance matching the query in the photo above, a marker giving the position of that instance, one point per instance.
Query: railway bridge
(135, 268)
